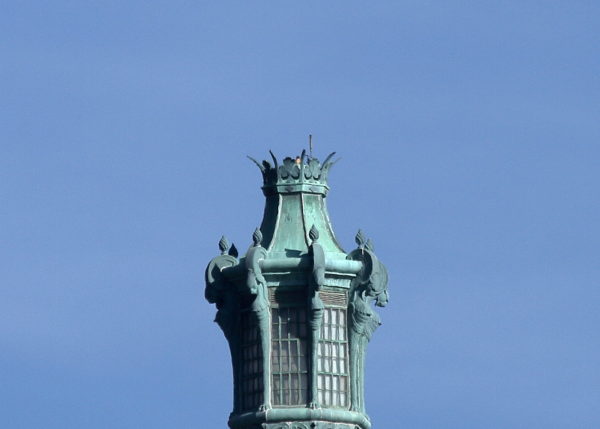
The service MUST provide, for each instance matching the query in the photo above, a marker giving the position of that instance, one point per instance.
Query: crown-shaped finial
(294, 174)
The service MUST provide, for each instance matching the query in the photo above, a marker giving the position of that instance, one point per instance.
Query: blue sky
(470, 141)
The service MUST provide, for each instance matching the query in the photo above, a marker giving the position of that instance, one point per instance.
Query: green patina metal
(296, 309)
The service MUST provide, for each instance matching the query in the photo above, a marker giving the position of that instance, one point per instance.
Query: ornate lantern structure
(297, 309)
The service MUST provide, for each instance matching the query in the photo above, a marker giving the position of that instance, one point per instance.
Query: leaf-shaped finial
(257, 237)
(223, 245)
(233, 251)
(360, 239)
(313, 233)
(369, 245)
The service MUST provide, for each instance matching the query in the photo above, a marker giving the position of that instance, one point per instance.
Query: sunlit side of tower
(297, 309)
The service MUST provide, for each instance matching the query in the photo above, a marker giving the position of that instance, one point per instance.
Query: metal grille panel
(289, 356)
(252, 368)
(332, 363)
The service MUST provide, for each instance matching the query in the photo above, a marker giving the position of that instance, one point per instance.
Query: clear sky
(470, 141)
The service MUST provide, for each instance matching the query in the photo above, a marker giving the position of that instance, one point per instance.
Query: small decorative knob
(313, 234)
(360, 239)
(223, 245)
(257, 237)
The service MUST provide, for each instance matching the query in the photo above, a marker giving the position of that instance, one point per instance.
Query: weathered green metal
(296, 309)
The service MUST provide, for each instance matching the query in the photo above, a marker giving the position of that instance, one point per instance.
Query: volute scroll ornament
(316, 308)
(221, 292)
(369, 286)
(256, 285)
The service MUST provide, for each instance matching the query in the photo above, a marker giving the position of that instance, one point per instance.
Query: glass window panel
(302, 396)
(283, 349)
(289, 352)
(285, 383)
(334, 317)
(303, 329)
(251, 362)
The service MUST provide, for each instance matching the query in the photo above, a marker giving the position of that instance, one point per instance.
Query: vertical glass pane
(302, 397)
(289, 356)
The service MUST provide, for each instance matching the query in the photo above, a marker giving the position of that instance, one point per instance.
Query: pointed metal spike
(328, 158)
(274, 159)
(262, 168)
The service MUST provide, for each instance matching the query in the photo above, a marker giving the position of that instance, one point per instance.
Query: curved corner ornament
(221, 292)
(257, 286)
(316, 309)
(369, 285)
